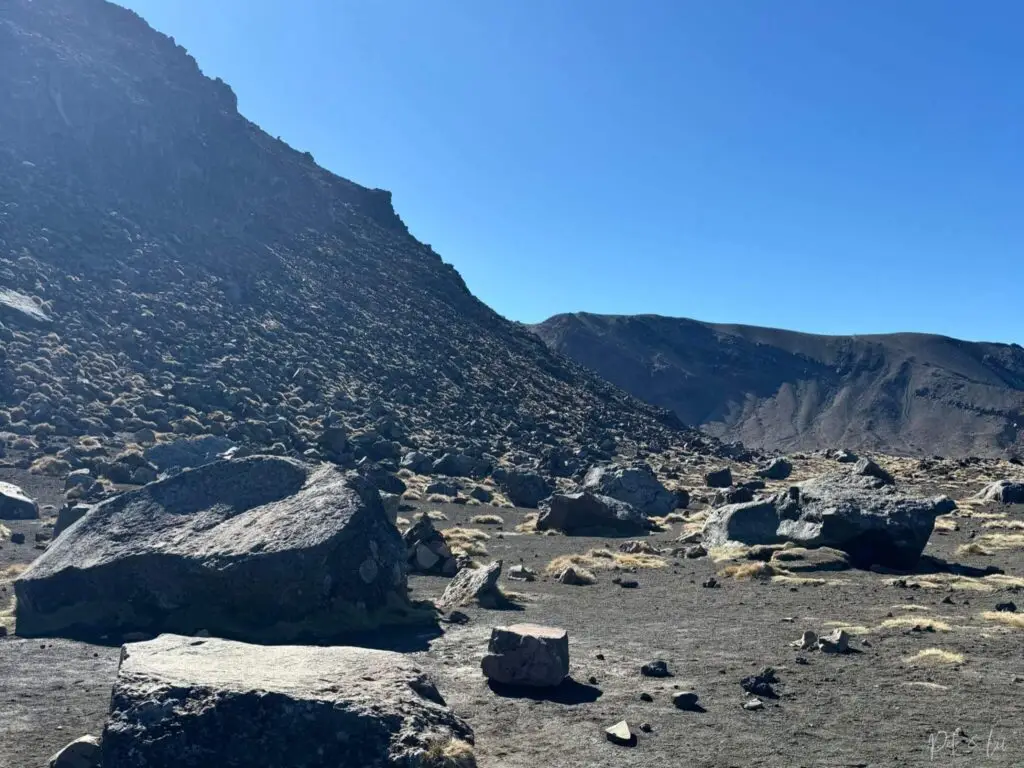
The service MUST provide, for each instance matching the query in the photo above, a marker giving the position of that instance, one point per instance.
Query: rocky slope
(166, 265)
(907, 393)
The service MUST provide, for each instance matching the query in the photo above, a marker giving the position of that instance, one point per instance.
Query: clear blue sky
(836, 166)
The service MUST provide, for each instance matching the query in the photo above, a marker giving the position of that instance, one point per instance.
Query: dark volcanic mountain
(900, 393)
(166, 265)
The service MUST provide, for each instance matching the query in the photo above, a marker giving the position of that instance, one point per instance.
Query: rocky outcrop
(169, 268)
(15, 505)
(524, 487)
(194, 703)
(861, 515)
(585, 513)
(262, 549)
(635, 485)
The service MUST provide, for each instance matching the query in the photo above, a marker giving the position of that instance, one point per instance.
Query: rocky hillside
(166, 265)
(905, 393)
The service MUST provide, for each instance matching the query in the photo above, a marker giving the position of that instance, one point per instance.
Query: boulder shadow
(568, 692)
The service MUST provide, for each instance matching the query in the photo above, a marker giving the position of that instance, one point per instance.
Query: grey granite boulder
(586, 513)
(776, 469)
(527, 655)
(194, 703)
(752, 523)
(473, 585)
(187, 453)
(524, 487)
(15, 505)
(265, 549)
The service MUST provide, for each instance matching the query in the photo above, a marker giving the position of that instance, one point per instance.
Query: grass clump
(437, 498)
(1015, 620)
(922, 623)
(604, 559)
(437, 514)
(529, 524)
(449, 753)
(753, 570)
(50, 466)
(487, 520)
(933, 657)
(466, 541)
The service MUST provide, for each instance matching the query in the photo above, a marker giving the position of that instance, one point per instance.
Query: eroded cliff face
(906, 393)
(190, 273)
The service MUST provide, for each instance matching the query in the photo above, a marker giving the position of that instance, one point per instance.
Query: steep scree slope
(899, 393)
(167, 265)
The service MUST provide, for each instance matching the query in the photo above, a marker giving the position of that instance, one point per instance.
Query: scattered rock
(776, 469)
(638, 548)
(68, 515)
(587, 513)
(718, 478)
(626, 583)
(263, 548)
(521, 573)
(83, 752)
(687, 700)
(524, 487)
(753, 523)
(752, 705)
(635, 485)
(711, 583)
(1007, 607)
(479, 585)
(656, 668)
(735, 495)
(808, 641)
(621, 734)
(17, 537)
(426, 550)
(868, 468)
(838, 641)
(695, 552)
(761, 683)
(527, 654)
(646, 697)
(175, 698)
(1003, 492)
(15, 505)
(576, 577)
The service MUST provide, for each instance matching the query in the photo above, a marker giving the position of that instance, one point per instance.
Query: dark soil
(869, 707)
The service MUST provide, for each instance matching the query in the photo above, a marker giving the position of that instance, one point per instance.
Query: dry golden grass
(1004, 580)
(923, 684)
(11, 572)
(955, 583)
(5, 533)
(911, 607)
(472, 502)
(1002, 617)
(945, 523)
(402, 522)
(850, 629)
(974, 548)
(1003, 541)
(411, 496)
(449, 753)
(726, 554)
(752, 570)
(529, 524)
(487, 520)
(50, 466)
(469, 534)
(1016, 525)
(466, 541)
(583, 576)
(437, 514)
(437, 498)
(406, 474)
(802, 581)
(934, 657)
(926, 623)
(604, 559)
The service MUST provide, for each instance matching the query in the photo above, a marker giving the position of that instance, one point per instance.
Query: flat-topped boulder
(264, 549)
(193, 703)
(527, 655)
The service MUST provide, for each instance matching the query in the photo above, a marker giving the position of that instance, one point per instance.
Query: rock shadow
(569, 692)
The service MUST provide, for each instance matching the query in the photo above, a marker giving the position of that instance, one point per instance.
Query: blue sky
(849, 166)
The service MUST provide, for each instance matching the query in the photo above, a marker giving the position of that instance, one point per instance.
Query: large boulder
(1003, 492)
(524, 487)
(187, 453)
(416, 462)
(265, 549)
(861, 515)
(192, 703)
(15, 505)
(586, 513)
(426, 550)
(776, 469)
(473, 585)
(637, 485)
(718, 478)
(67, 516)
(460, 465)
(83, 752)
(527, 655)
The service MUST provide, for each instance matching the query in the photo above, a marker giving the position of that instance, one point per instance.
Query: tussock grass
(725, 554)
(529, 524)
(956, 583)
(911, 607)
(945, 523)
(50, 466)
(800, 581)
(1015, 525)
(438, 498)
(752, 570)
(487, 520)
(449, 753)
(411, 496)
(934, 657)
(5, 533)
(402, 522)
(437, 514)
(604, 559)
(850, 629)
(973, 548)
(469, 534)
(405, 474)
(1004, 580)
(909, 622)
(583, 576)
(466, 541)
(1003, 541)
(11, 572)
(1002, 617)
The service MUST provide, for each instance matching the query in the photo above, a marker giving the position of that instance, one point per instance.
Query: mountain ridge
(909, 393)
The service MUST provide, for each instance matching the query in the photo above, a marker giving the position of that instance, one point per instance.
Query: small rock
(646, 697)
(80, 753)
(628, 583)
(685, 700)
(470, 585)
(711, 583)
(694, 552)
(18, 538)
(656, 668)
(646, 727)
(753, 705)
(719, 478)
(838, 641)
(574, 578)
(808, 641)
(521, 573)
(621, 734)
(592, 680)
(761, 683)
(1007, 607)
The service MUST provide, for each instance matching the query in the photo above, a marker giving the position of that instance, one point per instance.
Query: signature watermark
(956, 743)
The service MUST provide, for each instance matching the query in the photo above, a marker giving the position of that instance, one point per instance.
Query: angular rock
(837, 641)
(808, 641)
(426, 550)
(187, 453)
(687, 700)
(194, 703)
(417, 462)
(67, 515)
(868, 468)
(575, 577)
(621, 734)
(739, 494)
(391, 502)
(718, 478)
(83, 752)
(458, 465)
(776, 469)
(656, 668)
(521, 573)
(636, 485)
(262, 548)
(15, 505)
(527, 655)
(444, 488)
(1003, 492)
(584, 512)
(755, 522)
(473, 585)
(524, 487)
(79, 478)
